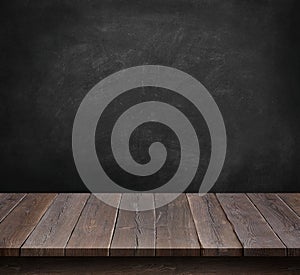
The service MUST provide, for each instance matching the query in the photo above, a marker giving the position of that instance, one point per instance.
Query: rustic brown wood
(215, 232)
(8, 202)
(285, 223)
(175, 230)
(292, 200)
(52, 233)
(76, 225)
(150, 265)
(135, 230)
(17, 226)
(93, 233)
(255, 234)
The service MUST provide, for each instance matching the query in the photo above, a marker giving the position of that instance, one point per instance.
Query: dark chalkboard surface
(246, 53)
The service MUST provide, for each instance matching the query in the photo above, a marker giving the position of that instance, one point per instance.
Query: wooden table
(210, 225)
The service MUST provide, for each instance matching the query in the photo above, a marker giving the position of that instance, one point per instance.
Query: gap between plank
(13, 207)
(37, 223)
(75, 224)
(232, 226)
(286, 248)
(288, 206)
(114, 229)
(199, 242)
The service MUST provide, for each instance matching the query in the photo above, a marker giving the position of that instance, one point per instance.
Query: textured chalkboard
(246, 53)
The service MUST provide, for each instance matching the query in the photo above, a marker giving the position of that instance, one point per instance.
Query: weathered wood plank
(255, 234)
(214, 231)
(175, 230)
(8, 201)
(292, 200)
(135, 230)
(93, 233)
(76, 225)
(51, 235)
(284, 221)
(17, 226)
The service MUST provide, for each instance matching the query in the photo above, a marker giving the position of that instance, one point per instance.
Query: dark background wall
(246, 53)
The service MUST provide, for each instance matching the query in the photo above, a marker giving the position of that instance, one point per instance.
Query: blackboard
(246, 54)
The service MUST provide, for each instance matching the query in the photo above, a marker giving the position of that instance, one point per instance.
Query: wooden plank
(175, 230)
(150, 265)
(135, 230)
(292, 200)
(51, 235)
(282, 219)
(8, 201)
(93, 233)
(17, 226)
(214, 231)
(255, 234)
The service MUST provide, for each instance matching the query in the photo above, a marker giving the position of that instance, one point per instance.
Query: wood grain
(8, 201)
(292, 200)
(214, 231)
(209, 225)
(17, 226)
(284, 222)
(93, 233)
(135, 230)
(255, 234)
(51, 235)
(175, 230)
(150, 265)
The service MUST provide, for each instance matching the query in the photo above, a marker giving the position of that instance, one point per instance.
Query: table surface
(73, 224)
